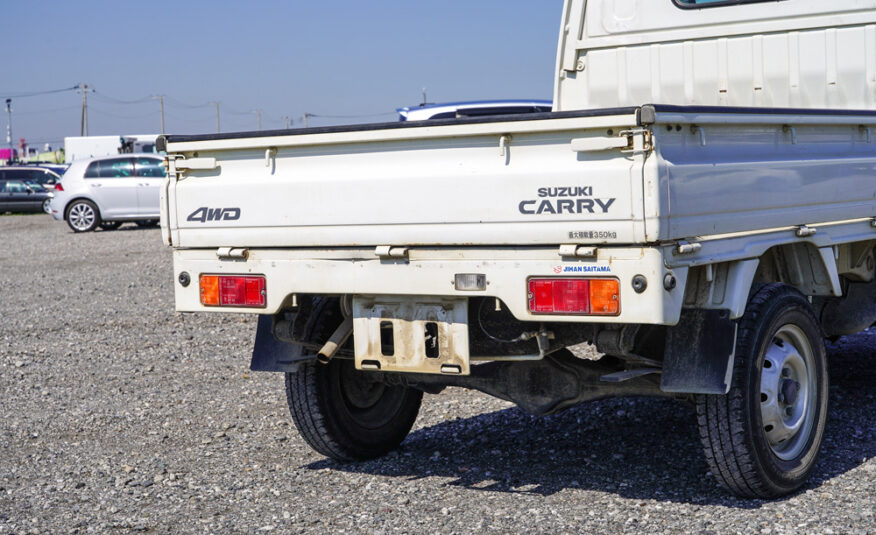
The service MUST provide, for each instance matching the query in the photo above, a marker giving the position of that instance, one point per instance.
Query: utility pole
(288, 122)
(259, 115)
(216, 103)
(160, 99)
(9, 129)
(304, 118)
(83, 125)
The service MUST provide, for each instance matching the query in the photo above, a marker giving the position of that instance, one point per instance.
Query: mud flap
(271, 355)
(699, 353)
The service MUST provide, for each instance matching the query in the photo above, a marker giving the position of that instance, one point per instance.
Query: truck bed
(638, 175)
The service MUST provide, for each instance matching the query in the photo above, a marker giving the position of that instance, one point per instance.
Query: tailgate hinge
(575, 250)
(232, 253)
(389, 251)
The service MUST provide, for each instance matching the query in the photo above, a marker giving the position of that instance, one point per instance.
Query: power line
(117, 116)
(102, 96)
(25, 94)
(38, 112)
(178, 104)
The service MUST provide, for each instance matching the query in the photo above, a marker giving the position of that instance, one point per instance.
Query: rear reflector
(595, 297)
(233, 290)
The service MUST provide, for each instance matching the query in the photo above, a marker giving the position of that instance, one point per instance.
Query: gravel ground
(120, 415)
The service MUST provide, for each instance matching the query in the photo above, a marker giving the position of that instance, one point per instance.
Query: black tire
(82, 216)
(146, 223)
(342, 412)
(749, 458)
(110, 225)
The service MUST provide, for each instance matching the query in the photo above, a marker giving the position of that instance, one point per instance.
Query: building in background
(8, 155)
(79, 147)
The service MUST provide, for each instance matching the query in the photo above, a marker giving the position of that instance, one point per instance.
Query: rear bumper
(432, 271)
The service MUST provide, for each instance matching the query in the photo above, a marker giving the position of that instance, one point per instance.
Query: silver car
(106, 192)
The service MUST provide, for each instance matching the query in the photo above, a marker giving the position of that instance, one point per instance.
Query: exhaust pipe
(335, 341)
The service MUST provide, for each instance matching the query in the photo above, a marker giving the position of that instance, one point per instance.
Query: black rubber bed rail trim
(740, 110)
(517, 117)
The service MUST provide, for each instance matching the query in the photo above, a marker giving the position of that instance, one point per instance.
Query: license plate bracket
(414, 334)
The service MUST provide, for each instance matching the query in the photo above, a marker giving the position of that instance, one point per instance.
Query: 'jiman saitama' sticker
(582, 269)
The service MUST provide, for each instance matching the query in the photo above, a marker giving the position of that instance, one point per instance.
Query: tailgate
(539, 179)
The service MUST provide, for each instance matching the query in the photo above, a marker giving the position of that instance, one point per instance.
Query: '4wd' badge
(204, 214)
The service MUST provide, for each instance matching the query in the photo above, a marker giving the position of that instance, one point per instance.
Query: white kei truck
(700, 206)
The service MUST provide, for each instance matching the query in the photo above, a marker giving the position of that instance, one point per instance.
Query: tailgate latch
(637, 140)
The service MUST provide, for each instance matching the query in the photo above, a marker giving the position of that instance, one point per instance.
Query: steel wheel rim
(81, 216)
(788, 392)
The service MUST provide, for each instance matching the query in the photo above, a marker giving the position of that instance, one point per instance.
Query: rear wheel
(82, 216)
(342, 412)
(47, 206)
(762, 438)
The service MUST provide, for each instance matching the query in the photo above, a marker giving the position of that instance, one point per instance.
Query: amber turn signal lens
(210, 290)
(604, 297)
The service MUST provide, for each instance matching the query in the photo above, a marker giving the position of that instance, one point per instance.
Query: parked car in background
(106, 192)
(478, 108)
(22, 196)
(42, 175)
(58, 168)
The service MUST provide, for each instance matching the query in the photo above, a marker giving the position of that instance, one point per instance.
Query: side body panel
(717, 179)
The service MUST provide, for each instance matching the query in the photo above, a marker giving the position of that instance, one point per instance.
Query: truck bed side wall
(725, 179)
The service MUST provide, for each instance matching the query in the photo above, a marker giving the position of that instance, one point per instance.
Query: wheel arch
(813, 271)
(81, 198)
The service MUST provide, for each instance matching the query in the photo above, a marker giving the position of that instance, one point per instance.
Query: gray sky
(284, 57)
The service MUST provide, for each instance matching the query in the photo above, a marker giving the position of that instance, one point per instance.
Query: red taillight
(233, 290)
(59, 187)
(599, 297)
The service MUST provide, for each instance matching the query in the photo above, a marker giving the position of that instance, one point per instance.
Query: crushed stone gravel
(119, 415)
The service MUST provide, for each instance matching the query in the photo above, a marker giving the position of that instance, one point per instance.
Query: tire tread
(720, 419)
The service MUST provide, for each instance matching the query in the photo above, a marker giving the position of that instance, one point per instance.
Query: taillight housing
(233, 291)
(574, 296)
(58, 186)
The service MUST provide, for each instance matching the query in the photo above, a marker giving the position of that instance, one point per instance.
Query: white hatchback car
(106, 192)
